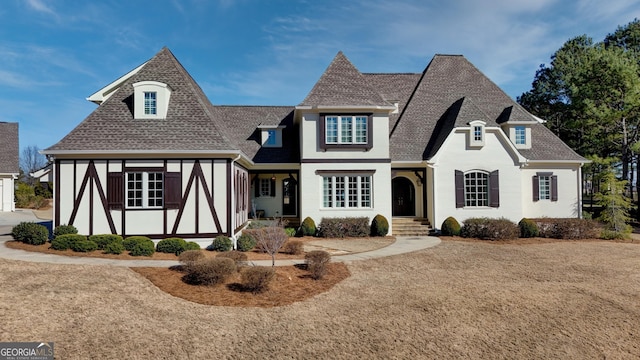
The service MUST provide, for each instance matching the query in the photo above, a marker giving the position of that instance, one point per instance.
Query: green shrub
(450, 227)
(379, 226)
(293, 247)
(171, 246)
(490, 229)
(30, 233)
(344, 227)
(290, 231)
(139, 246)
(257, 278)
(258, 224)
(84, 245)
(192, 245)
(64, 242)
(606, 234)
(102, 240)
(64, 229)
(528, 228)
(210, 271)
(317, 261)
(115, 247)
(246, 243)
(238, 257)
(308, 227)
(130, 242)
(189, 257)
(221, 243)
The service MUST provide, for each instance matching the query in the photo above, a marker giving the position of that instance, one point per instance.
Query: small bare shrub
(490, 229)
(344, 227)
(189, 257)
(238, 257)
(317, 261)
(293, 247)
(257, 278)
(210, 271)
(575, 229)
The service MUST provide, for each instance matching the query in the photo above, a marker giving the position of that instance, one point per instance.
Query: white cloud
(40, 6)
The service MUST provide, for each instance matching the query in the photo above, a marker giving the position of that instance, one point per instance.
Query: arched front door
(404, 197)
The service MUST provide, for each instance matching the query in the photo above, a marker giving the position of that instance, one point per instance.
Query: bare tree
(270, 239)
(31, 160)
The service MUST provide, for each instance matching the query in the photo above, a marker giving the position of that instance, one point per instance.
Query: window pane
(365, 191)
(361, 129)
(353, 191)
(340, 195)
(477, 133)
(545, 187)
(150, 103)
(521, 138)
(327, 193)
(346, 131)
(476, 189)
(331, 123)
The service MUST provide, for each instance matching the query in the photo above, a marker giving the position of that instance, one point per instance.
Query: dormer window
(520, 135)
(151, 100)
(476, 135)
(271, 135)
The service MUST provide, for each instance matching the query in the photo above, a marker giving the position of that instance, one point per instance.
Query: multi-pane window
(345, 191)
(521, 135)
(150, 103)
(477, 133)
(265, 187)
(145, 189)
(544, 186)
(476, 189)
(352, 129)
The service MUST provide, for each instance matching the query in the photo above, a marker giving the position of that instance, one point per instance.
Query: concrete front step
(411, 226)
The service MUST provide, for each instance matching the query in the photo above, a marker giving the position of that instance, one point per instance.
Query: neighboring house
(43, 175)
(9, 165)
(157, 158)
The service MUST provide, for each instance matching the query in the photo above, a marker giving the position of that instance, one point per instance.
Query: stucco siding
(568, 204)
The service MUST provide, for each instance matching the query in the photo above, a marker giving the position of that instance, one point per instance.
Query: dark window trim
(322, 140)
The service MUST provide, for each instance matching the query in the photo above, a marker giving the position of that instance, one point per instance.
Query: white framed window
(144, 190)
(477, 133)
(346, 191)
(521, 135)
(544, 187)
(150, 103)
(346, 129)
(476, 189)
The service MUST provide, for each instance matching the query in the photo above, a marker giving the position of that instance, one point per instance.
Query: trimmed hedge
(563, 228)
(30, 233)
(103, 240)
(290, 231)
(67, 241)
(246, 243)
(379, 226)
(450, 227)
(139, 246)
(308, 227)
(344, 227)
(83, 245)
(221, 243)
(64, 230)
(171, 246)
(490, 229)
(115, 248)
(130, 242)
(192, 245)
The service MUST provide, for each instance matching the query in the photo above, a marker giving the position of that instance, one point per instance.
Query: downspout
(233, 204)
(579, 180)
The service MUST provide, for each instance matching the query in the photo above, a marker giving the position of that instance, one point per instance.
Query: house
(43, 175)
(9, 164)
(157, 158)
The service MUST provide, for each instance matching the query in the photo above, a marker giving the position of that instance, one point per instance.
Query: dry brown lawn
(458, 300)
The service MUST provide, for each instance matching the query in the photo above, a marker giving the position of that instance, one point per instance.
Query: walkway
(402, 245)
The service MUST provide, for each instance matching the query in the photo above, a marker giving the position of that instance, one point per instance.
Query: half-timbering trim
(91, 177)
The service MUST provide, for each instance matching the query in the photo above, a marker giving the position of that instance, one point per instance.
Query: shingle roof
(189, 124)
(453, 92)
(343, 85)
(394, 87)
(244, 132)
(9, 150)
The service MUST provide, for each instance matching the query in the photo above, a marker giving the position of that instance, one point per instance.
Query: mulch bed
(291, 284)
(536, 240)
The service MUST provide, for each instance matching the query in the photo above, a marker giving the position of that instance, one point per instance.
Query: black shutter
(536, 188)
(115, 190)
(273, 188)
(322, 138)
(554, 188)
(369, 132)
(172, 190)
(256, 189)
(494, 189)
(459, 181)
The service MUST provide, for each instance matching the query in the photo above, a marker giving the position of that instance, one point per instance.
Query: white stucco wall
(7, 202)
(494, 155)
(568, 204)
(311, 190)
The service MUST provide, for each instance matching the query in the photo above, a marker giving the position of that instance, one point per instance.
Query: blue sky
(55, 53)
